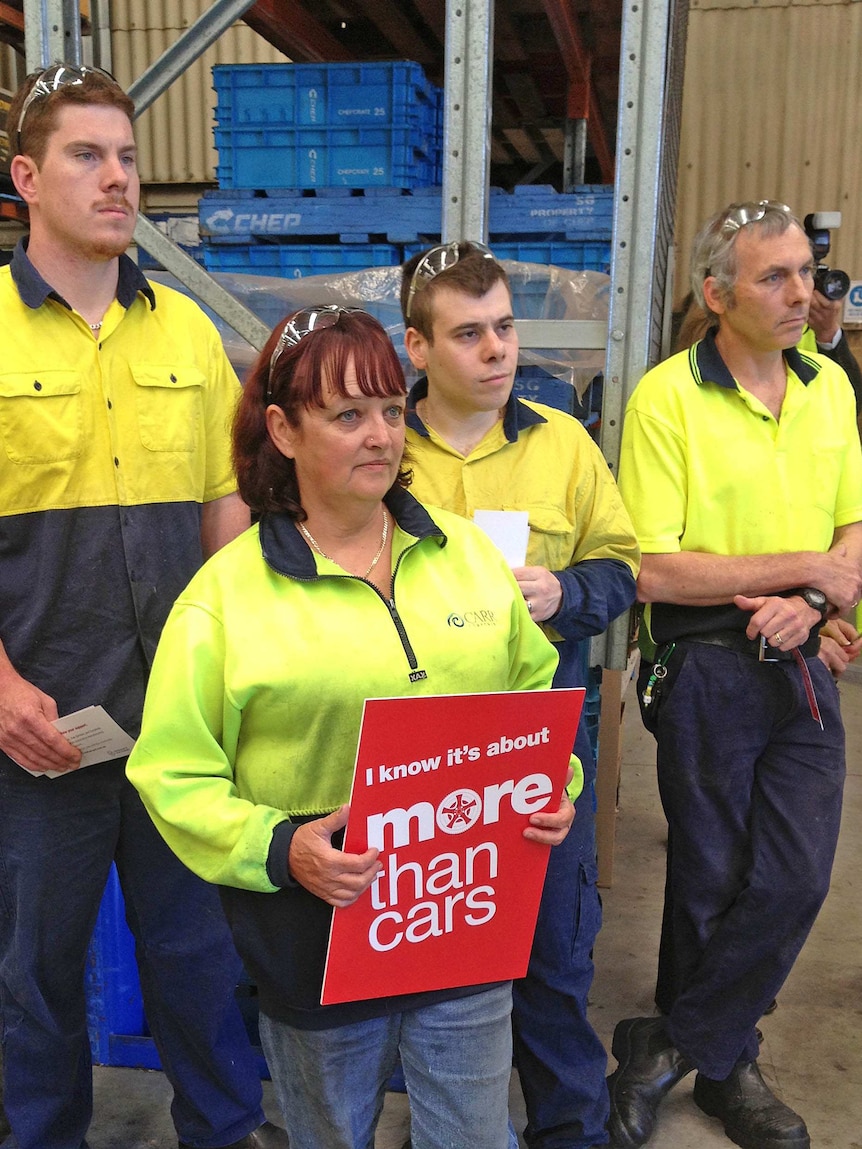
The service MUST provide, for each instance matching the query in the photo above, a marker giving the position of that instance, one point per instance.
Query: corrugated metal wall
(772, 102)
(175, 135)
(8, 68)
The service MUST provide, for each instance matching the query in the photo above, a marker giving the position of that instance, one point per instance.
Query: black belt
(757, 648)
(738, 641)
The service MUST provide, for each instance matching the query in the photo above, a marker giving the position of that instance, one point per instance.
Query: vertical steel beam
(52, 31)
(467, 119)
(574, 153)
(650, 96)
(100, 22)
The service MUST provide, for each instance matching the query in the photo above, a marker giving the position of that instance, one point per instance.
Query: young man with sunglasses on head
(474, 446)
(115, 399)
(742, 470)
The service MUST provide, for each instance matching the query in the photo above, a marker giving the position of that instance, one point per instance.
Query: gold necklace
(323, 553)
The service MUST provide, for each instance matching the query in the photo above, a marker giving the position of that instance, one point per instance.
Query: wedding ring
(529, 606)
(778, 636)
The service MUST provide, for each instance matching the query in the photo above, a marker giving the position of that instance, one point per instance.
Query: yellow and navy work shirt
(108, 449)
(542, 461)
(706, 467)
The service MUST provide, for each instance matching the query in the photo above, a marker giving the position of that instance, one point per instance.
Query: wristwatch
(815, 598)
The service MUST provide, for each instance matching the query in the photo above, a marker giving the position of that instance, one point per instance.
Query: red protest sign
(444, 787)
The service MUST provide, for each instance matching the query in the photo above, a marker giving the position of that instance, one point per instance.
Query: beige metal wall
(175, 135)
(771, 109)
(8, 68)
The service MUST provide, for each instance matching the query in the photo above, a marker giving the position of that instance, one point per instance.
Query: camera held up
(830, 282)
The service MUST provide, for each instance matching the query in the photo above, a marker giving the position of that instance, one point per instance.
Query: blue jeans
(561, 1061)
(752, 790)
(456, 1056)
(57, 841)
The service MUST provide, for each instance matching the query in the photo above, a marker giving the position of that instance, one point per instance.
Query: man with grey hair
(742, 471)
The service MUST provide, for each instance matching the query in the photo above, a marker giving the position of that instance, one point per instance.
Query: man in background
(474, 446)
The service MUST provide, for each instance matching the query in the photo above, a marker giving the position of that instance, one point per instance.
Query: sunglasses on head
(439, 258)
(52, 80)
(746, 213)
(304, 323)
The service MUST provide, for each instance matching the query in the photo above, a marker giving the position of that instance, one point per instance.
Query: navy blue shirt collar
(34, 290)
(288, 553)
(517, 417)
(707, 365)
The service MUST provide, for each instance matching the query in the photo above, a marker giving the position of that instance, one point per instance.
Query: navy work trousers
(58, 838)
(752, 790)
(561, 1061)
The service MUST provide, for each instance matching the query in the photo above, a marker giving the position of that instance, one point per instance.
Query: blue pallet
(532, 209)
(411, 217)
(276, 156)
(294, 261)
(394, 93)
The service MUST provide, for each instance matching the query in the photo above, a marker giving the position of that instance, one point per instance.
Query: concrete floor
(812, 1048)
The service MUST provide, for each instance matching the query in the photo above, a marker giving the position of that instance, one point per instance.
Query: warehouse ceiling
(553, 59)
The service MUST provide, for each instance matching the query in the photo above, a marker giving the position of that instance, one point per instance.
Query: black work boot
(649, 1067)
(266, 1136)
(752, 1115)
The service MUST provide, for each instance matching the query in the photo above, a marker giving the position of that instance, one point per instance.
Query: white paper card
(509, 531)
(96, 735)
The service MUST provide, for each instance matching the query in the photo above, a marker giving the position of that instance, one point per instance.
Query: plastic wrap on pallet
(298, 260)
(538, 292)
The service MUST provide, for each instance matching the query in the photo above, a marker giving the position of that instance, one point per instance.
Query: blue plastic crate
(278, 156)
(574, 254)
(296, 260)
(116, 1021)
(396, 93)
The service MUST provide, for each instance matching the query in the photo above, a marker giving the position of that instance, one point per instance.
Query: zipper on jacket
(416, 675)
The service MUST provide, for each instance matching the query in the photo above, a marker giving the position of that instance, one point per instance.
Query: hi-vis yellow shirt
(137, 417)
(108, 449)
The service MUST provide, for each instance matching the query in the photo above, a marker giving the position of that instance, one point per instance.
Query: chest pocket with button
(552, 537)
(41, 416)
(170, 406)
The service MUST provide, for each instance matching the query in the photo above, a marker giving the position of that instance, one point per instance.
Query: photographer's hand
(824, 317)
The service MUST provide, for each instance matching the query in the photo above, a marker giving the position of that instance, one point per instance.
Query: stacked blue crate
(326, 125)
(350, 155)
(285, 130)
